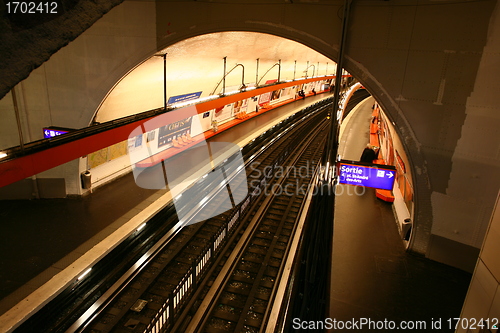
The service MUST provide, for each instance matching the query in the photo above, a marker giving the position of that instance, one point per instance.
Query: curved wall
(197, 65)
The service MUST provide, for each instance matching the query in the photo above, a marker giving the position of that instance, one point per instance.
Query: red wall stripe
(20, 168)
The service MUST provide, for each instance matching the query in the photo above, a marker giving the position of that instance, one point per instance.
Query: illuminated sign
(373, 175)
(50, 132)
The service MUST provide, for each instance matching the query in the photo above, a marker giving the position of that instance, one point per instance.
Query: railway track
(241, 301)
(190, 253)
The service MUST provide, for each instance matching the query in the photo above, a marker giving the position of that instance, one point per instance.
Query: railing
(42, 144)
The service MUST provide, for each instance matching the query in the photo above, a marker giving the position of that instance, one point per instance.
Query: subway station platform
(41, 238)
(373, 277)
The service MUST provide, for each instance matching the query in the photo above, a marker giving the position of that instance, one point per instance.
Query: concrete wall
(483, 297)
(462, 210)
(430, 64)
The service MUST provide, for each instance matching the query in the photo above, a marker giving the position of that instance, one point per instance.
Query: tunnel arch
(422, 222)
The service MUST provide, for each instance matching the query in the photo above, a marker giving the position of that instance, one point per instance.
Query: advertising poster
(171, 131)
(97, 158)
(390, 151)
(408, 195)
(237, 106)
(265, 98)
(202, 123)
(224, 113)
(134, 142)
(288, 93)
(118, 150)
(276, 95)
(150, 136)
(244, 106)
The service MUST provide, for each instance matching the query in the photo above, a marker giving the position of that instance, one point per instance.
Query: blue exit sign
(374, 175)
(50, 132)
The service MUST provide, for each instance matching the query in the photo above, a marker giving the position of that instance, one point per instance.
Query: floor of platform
(373, 277)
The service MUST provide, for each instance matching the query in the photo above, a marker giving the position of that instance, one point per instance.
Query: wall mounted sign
(368, 175)
(52, 131)
(184, 98)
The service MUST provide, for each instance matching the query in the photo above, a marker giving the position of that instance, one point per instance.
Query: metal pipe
(276, 64)
(294, 69)
(257, 73)
(224, 78)
(242, 75)
(307, 68)
(314, 70)
(331, 150)
(165, 82)
(34, 182)
(18, 119)
(279, 69)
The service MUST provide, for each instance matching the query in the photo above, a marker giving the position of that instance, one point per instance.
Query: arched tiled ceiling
(196, 64)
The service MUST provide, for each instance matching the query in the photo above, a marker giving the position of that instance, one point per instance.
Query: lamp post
(279, 70)
(331, 147)
(224, 77)
(165, 82)
(18, 119)
(164, 56)
(257, 73)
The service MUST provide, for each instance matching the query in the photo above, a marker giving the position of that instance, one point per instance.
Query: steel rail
(241, 247)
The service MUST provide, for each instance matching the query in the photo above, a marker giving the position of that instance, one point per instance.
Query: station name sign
(184, 98)
(369, 175)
